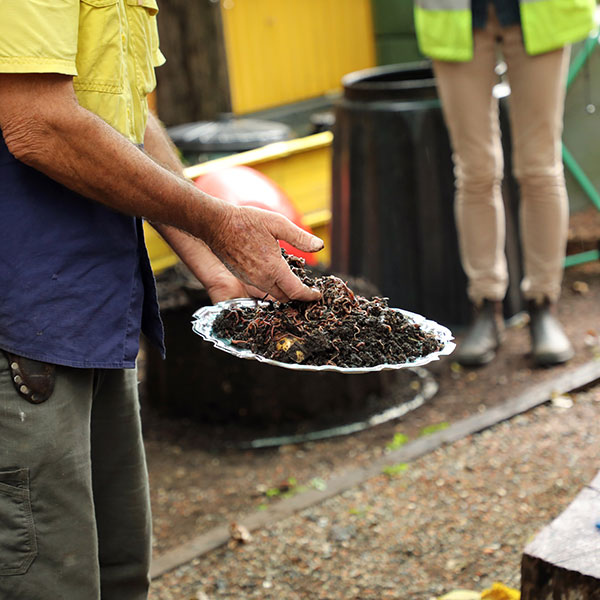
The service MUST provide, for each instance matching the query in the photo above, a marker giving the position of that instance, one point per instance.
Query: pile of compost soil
(341, 329)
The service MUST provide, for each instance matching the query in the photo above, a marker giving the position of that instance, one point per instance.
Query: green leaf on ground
(399, 440)
(394, 470)
(285, 489)
(318, 484)
(359, 511)
(298, 489)
(429, 429)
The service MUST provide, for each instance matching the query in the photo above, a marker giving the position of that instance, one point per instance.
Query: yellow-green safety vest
(445, 32)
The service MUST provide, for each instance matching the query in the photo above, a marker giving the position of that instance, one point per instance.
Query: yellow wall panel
(283, 51)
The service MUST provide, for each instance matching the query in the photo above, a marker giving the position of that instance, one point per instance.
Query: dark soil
(341, 329)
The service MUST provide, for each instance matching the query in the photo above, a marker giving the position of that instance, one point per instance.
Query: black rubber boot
(483, 336)
(549, 344)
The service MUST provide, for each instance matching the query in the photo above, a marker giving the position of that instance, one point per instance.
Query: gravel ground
(456, 518)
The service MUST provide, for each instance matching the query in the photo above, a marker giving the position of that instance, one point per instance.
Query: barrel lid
(228, 134)
(406, 81)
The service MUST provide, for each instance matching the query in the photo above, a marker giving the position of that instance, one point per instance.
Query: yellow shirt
(109, 46)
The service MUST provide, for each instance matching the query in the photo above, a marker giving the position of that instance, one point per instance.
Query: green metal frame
(570, 163)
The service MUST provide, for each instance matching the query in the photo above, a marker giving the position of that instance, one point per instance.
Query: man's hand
(218, 281)
(261, 264)
(226, 286)
(245, 241)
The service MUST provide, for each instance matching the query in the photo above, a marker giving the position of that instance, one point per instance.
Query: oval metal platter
(204, 318)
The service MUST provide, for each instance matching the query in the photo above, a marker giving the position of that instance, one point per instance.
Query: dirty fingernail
(317, 244)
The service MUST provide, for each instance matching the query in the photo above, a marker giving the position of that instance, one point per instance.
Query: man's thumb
(297, 237)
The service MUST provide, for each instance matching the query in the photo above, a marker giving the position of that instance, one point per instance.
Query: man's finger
(284, 229)
(254, 292)
(290, 285)
(278, 294)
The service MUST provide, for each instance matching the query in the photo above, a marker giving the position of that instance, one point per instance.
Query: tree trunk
(193, 85)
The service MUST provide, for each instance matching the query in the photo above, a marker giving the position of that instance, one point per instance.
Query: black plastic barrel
(393, 192)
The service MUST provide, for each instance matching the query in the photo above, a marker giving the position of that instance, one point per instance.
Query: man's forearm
(79, 150)
(159, 146)
(196, 255)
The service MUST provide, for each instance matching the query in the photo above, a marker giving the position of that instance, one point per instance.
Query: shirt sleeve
(39, 36)
(159, 58)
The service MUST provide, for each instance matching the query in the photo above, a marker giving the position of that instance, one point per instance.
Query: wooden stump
(563, 561)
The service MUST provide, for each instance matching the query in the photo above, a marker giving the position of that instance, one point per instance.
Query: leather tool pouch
(33, 380)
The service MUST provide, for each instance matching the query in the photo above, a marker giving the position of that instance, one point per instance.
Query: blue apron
(76, 286)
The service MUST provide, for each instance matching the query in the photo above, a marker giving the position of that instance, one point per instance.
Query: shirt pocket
(101, 47)
(144, 42)
(18, 545)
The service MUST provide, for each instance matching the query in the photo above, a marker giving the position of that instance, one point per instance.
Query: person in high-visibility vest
(464, 38)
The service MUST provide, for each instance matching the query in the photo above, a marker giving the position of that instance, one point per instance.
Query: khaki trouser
(74, 510)
(536, 111)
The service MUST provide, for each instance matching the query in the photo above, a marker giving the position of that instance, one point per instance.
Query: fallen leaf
(581, 287)
(399, 440)
(393, 470)
(498, 591)
(318, 484)
(429, 429)
(563, 401)
(239, 533)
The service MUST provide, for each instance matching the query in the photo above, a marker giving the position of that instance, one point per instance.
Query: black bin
(207, 140)
(393, 192)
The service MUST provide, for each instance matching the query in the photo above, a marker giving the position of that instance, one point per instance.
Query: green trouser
(74, 505)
